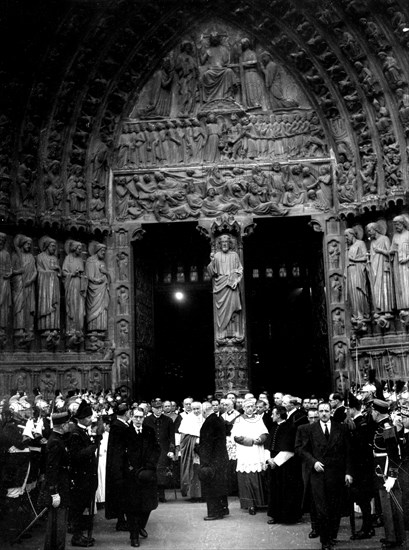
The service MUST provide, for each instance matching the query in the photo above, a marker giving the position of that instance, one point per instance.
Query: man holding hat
(56, 488)
(84, 472)
(387, 463)
(164, 429)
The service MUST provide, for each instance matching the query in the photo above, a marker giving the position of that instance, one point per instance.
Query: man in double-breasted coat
(214, 462)
(141, 495)
(324, 446)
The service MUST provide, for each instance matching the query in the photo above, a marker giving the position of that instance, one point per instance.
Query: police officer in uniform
(387, 462)
(84, 475)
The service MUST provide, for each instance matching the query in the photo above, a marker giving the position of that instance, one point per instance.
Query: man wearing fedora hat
(83, 472)
(164, 429)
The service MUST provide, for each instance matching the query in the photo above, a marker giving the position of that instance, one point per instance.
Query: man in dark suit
(324, 446)
(115, 468)
(142, 455)
(164, 429)
(213, 464)
(83, 472)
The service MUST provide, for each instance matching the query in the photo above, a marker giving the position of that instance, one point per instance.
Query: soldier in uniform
(84, 473)
(362, 490)
(403, 475)
(387, 462)
(55, 491)
(16, 465)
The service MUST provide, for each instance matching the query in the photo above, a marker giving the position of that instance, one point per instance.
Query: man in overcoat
(164, 429)
(325, 447)
(141, 495)
(115, 468)
(213, 464)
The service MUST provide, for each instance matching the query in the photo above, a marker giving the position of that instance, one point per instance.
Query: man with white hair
(189, 430)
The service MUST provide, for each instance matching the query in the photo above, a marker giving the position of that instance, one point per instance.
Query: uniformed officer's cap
(156, 403)
(60, 418)
(380, 406)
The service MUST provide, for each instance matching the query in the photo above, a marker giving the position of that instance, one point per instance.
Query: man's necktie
(326, 432)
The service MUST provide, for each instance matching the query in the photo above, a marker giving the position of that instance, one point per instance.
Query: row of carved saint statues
(30, 291)
(188, 141)
(377, 279)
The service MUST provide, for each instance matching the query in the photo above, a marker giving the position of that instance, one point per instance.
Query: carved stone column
(230, 338)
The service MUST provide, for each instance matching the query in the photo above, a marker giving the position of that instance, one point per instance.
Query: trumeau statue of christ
(226, 271)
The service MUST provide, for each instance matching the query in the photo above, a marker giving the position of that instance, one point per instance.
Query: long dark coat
(83, 467)
(285, 481)
(115, 469)
(362, 457)
(164, 429)
(14, 465)
(213, 454)
(326, 487)
(57, 477)
(142, 452)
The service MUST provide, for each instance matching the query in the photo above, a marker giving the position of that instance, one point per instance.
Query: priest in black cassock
(284, 473)
(213, 464)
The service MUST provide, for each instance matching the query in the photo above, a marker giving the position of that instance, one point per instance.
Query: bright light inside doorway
(179, 296)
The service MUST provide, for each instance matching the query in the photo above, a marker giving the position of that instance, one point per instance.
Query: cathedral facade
(250, 155)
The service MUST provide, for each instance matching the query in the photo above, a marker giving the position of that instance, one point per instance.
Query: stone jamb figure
(97, 301)
(226, 271)
(49, 292)
(399, 253)
(23, 289)
(357, 283)
(75, 283)
(383, 298)
(5, 289)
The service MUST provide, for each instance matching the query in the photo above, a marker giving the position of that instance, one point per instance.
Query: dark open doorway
(181, 360)
(286, 311)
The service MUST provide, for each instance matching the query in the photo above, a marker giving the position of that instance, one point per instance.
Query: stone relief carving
(399, 253)
(122, 294)
(234, 136)
(213, 64)
(123, 333)
(210, 192)
(122, 261)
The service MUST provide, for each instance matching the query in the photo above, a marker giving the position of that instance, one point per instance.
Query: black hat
(60, 418)
(380, 406)
(156, 403)
(84, 410)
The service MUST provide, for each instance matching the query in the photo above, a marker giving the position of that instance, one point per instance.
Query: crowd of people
(67, 457)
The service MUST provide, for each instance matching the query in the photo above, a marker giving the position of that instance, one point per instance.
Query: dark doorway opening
(174, 257)
(286, 310)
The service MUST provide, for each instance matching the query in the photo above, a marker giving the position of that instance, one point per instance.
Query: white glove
(28, 429)
(56, 500)
(170, 455)
(389, 483)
